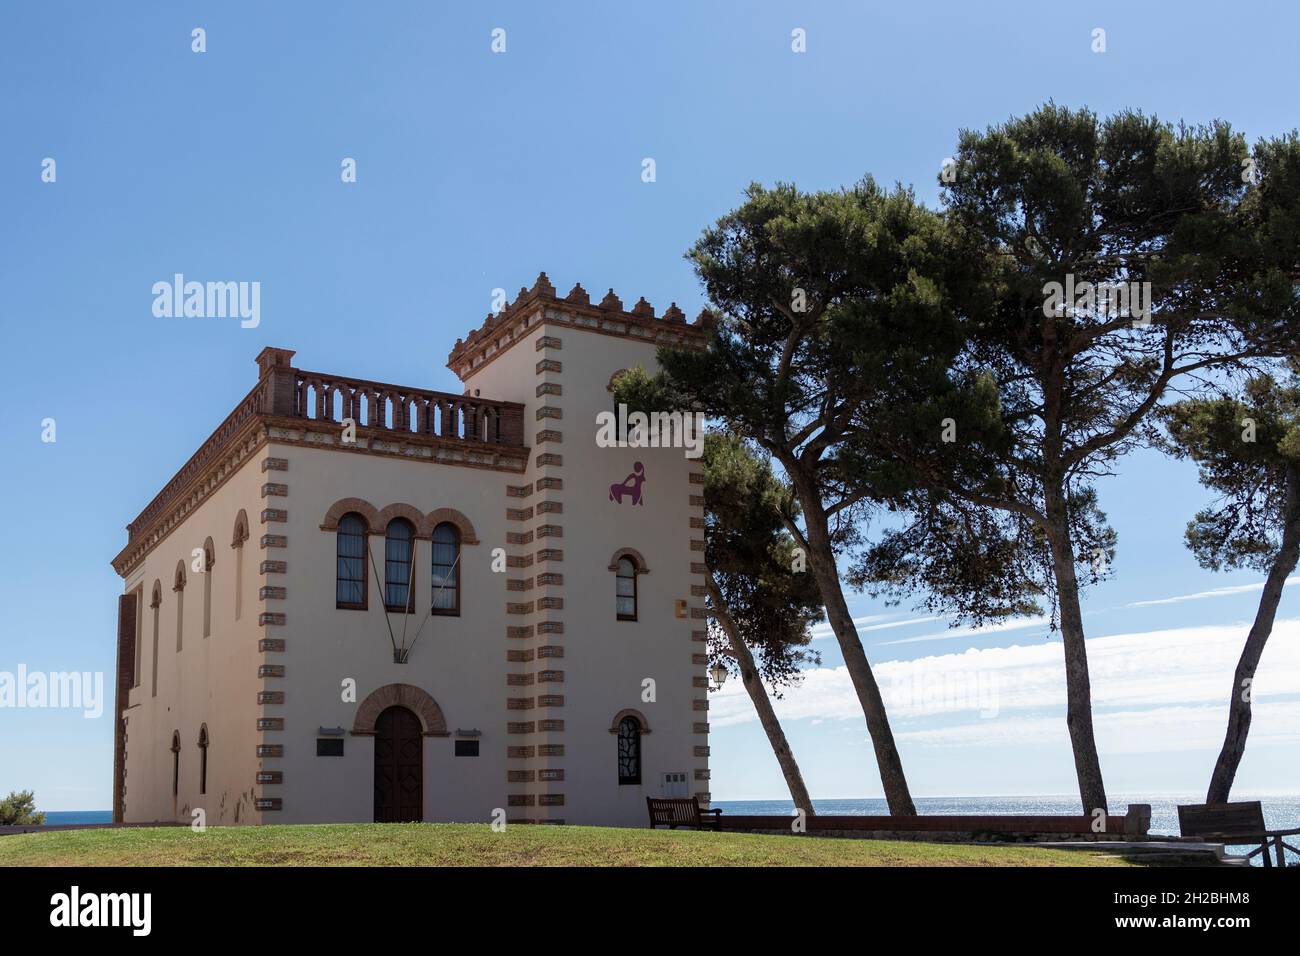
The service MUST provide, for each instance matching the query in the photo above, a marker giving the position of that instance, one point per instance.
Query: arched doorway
(399, 767)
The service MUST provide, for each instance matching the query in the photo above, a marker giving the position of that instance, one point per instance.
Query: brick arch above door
(420, 702)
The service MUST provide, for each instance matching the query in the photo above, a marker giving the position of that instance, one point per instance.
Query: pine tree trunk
(822, 562)
(1239, 709)
(1078, 686)
(762, 704)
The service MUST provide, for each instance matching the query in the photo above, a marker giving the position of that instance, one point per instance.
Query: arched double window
(399, 569)
(446, 569)
(203, 759)
(625, 589)
(629, 751)
(176, 762)
(350, 574)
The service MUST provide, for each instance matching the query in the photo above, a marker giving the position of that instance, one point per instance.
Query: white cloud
(1216, 592)
(1158, 730)
(1017, 624)
(1152, 691)
(823, 630)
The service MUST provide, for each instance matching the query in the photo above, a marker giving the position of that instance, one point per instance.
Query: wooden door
(399, 767)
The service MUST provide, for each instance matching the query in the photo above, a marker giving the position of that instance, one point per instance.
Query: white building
(443, 612)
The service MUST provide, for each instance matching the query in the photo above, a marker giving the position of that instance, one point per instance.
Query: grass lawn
(463, 844)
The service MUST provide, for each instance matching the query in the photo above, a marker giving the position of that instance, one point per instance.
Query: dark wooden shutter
(127, 606)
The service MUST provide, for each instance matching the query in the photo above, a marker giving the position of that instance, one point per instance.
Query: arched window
(625, 589)
(350, 574)
(179, 588)
(399, 542)
(176, 762)
(209, 559)
(629, 751)
(155, 604)
(137, 668)
(203, 759)
(237, 542)
(446, 569)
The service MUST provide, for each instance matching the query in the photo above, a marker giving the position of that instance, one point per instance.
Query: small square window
(329, 747)
(467, 748)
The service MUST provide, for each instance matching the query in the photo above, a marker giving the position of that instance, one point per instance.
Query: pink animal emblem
(631, 485)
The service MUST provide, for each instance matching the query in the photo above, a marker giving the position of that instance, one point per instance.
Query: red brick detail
(637, 558)
(453, 517)
(629, 712)
(368, 512)
(402, 695)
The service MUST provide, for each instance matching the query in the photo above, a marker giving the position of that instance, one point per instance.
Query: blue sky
(475, 171)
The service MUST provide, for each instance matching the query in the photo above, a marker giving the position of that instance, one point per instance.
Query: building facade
(361, 601)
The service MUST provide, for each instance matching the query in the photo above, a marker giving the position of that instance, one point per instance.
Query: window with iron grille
(629, 751)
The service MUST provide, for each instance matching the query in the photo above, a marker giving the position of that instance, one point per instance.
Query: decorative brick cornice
(448, 429)
(210, 468)
(541, 305)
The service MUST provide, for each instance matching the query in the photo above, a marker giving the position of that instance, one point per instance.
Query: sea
(63, 817)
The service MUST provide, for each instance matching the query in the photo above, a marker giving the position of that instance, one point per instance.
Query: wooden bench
(674, 812)
(1234, 823)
